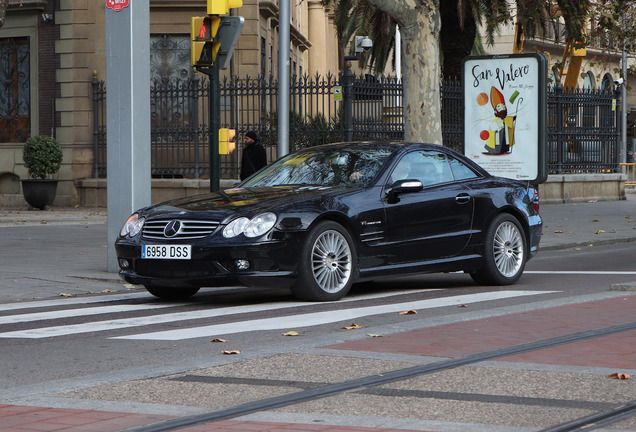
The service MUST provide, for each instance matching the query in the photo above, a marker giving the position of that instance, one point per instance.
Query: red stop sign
(116, 5)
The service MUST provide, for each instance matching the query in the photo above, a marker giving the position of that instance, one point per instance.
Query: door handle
(462, 198)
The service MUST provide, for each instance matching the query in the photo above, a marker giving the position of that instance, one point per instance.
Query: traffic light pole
(214, 122)
(215, 125)
(212, 42)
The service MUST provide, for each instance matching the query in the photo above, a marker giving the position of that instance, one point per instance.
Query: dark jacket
(254, 158)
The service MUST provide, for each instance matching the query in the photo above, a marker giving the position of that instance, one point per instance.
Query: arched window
(554, 76)
(589, 82)
(608, 83)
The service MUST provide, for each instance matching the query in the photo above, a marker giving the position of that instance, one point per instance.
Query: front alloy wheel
(326, 268)
(505, 252)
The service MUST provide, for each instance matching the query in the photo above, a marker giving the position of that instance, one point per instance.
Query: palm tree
(460, 20)
(421, 23)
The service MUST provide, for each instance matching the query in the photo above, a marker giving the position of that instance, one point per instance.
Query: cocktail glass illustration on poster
(501, 114)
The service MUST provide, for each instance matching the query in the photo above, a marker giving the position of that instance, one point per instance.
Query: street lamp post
(361, 44)
(347, 79)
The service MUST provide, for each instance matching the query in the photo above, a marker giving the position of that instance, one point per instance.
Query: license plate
(166, 251)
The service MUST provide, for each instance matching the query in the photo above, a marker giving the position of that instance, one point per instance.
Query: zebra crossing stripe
(114, 324)
(305, 320)
(318, 318)
(68, 313)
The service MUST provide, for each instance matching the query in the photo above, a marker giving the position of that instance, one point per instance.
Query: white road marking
(68, 313)
(318, 318)
(164, 318)
(72, 301)
(580, 272)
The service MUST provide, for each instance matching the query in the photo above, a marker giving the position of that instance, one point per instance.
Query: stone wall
(566, 188)
(557, 189)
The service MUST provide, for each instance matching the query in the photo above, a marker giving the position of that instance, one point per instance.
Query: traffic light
(222, 7)
(204, 48)
(226, 140)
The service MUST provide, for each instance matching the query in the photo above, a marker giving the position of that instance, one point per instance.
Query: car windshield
(323, 167)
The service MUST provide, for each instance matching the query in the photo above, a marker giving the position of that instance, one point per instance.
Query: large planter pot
(39, 193)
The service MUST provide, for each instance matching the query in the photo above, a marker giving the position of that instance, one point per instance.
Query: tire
(327, 265)
(172, 293)
(505, 252)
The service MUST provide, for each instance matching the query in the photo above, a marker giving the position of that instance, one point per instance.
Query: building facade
(52, 50)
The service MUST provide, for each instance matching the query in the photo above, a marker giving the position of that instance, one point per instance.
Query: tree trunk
(420, 24)
(3, 10)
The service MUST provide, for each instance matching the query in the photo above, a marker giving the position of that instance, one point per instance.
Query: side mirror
(403, 186)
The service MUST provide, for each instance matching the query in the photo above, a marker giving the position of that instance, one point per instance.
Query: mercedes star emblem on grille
(172, 228)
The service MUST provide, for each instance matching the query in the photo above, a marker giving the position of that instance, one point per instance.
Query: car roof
(389, 145)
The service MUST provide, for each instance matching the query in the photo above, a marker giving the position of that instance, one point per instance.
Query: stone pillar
(317, 34)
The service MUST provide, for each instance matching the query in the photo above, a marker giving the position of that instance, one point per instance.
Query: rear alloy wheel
(326, 269)
(505, 253)
(172, 293)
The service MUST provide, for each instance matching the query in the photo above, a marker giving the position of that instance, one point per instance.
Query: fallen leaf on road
(231, 352)
(409, 312)
(618, 375)
(107, 290)
(599, 232)
(129, 286)
(291, 333)
(559, 232)
(66, 295)
(352, 327)
(373, 335)
(462, 306)
(218, 340)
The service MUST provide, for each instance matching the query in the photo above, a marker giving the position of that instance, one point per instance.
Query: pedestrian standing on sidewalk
(254, 155)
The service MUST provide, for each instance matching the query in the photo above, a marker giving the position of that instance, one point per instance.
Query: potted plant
(42, 157)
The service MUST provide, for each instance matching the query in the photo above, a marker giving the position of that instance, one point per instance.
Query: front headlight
(236, 227)
(254, 227)
(132, 226)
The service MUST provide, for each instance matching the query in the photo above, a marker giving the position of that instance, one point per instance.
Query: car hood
(245, 201)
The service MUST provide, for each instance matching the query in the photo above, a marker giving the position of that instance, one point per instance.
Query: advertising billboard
(505, 114)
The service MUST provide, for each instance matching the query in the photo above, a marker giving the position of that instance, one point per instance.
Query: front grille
(188, 229)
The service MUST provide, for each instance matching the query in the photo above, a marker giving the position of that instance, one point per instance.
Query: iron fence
(583, 131)
(583, 125)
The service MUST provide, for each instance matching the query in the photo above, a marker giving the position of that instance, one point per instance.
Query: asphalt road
(121, 350)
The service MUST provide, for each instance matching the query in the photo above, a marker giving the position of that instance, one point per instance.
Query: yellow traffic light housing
(226, 140)
(203, 48)
(222, 7)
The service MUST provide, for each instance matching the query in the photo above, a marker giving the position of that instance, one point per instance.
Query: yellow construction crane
(572, 58)
(570, 70)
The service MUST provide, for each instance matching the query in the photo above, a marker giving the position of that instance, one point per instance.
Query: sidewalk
(79, 236)
(69, 246)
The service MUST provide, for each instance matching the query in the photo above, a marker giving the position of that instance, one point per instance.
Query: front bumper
(271, 263)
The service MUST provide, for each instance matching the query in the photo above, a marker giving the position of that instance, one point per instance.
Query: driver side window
(428, 167)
